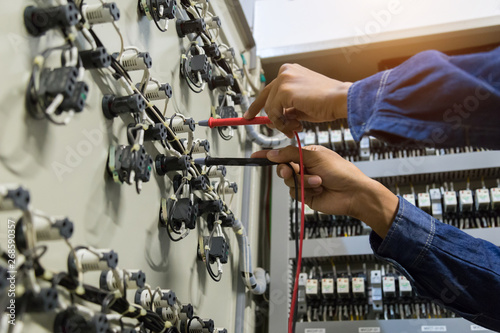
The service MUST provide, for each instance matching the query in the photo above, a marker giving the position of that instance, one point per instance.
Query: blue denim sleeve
(432, 99)
(444, 264)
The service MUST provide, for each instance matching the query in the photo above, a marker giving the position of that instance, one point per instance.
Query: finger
(259, 102)
(291, 154)
(308, 194)
(284, 171)
(310, 181)
(260, 154)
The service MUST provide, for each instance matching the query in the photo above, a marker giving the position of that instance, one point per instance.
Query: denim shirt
(441, 101)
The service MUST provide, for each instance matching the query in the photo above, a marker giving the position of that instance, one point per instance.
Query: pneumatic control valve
(158, 9)
(181, 211)
(112, 106)
(133, 279)
(221, 81)
(163, 298)
(127, 164)
(88, 260)
(45, 229)
(197, 325)
(40, 20)
(59, 83)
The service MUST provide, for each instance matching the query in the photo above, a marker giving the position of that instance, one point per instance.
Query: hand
(299, 94)
(335, 186)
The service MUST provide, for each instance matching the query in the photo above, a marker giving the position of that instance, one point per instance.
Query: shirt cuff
(412, 230)
(362, 99)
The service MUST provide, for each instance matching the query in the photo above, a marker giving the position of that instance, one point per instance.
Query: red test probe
(218, 122)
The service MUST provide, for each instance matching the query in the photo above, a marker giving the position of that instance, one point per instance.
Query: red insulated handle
(212, 122)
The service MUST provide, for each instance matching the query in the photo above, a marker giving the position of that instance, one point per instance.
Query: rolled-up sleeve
(431, 99)
(444, 264)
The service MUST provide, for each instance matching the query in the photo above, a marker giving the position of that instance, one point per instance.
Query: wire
(291, 318)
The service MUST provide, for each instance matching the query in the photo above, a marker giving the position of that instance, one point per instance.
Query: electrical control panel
(101, 105)
(356, 291)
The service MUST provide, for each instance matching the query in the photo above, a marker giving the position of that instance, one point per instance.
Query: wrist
(377, 206)
(340, 99)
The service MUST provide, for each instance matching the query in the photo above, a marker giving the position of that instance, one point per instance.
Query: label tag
(478, 328)
(434, 328)
(314, 330)
(369, 330)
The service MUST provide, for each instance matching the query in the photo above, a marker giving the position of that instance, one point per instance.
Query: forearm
(376, 206)
(431, 99)
(444, 264)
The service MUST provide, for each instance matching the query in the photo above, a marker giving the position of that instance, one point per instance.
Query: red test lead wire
(301, 237)
(218, 122)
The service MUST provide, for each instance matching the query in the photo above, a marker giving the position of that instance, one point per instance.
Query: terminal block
(436, 205)
(424, 202)
(410, 198)
(465, 200)
(312, 288)
(482, 199)
(359, 287)
(328, 288)
(450, 201)
(112, 106)
(405, 289)
(40, 20)
(343, 290)
(127, 164)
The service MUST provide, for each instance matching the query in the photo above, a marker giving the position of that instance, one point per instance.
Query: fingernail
(245, 114)
(314, 181)
(273, 153)
(282, 173)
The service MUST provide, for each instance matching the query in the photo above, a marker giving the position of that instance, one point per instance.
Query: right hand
(299, 94)
(335, 186)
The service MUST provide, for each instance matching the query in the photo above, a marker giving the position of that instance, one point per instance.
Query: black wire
(214, 277)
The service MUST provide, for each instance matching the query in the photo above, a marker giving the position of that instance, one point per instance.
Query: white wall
(311, 25)
(106, 214)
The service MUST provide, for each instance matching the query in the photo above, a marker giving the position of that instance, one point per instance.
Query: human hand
(299, 94)
(335, 186)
